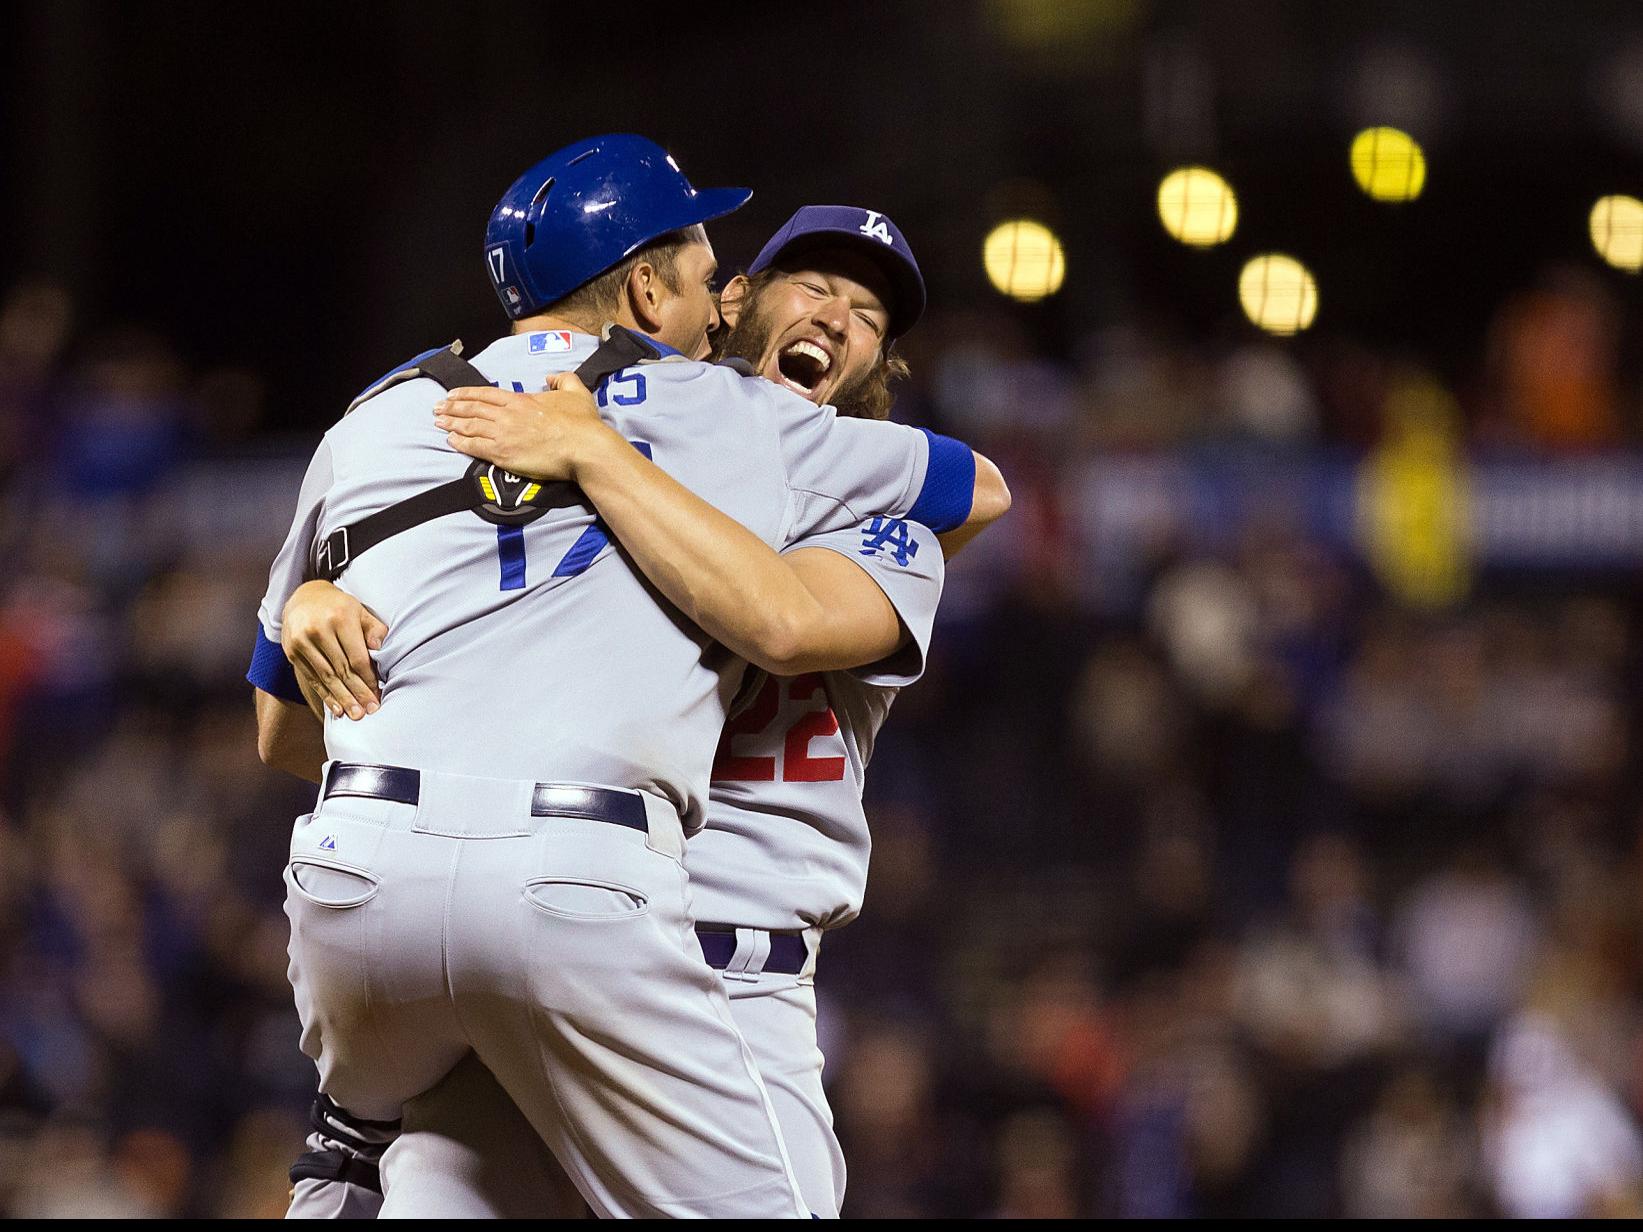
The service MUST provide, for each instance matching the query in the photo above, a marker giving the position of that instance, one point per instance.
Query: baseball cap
(871, 233)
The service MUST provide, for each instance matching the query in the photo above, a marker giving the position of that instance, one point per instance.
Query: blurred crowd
(1236, 882)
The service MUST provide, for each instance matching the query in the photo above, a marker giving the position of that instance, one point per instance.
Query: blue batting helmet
(584, 208)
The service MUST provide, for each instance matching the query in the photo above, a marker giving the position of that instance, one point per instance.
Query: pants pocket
(579, 898)
(331, 885)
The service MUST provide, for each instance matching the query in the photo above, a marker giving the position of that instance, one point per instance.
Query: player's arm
(809, 611)
(787, 615)
(990, 503)
(842, 470)
(290, 736)
(552, 435)
(290, 730)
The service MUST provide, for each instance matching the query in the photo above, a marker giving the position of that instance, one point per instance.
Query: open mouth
(804, 366)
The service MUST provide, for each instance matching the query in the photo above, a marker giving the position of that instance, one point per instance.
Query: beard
(749, 339)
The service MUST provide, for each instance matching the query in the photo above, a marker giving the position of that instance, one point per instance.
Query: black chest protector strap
(486, 490)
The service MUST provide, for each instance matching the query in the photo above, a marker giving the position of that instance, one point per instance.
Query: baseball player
(494, 861)
(784, 853)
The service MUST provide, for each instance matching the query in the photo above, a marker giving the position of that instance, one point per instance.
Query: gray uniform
(536, 652)
(785, 848)
(559, 949)
(786, 844)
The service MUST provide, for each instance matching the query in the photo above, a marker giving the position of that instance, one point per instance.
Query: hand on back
(542, 436)
(328, 635)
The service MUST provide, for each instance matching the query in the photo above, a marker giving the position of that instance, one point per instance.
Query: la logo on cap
(874, 226)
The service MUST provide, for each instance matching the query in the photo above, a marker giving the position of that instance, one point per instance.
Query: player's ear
(645, 294)
(731, 298)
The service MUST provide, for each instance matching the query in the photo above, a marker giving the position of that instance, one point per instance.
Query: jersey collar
(663, 350)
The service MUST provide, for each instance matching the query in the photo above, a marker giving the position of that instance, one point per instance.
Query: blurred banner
(1507, 511)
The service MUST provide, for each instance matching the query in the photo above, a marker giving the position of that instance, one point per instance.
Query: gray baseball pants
(560, 951)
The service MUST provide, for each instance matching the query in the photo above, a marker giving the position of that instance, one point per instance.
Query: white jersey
(787, 844)
(539, 652)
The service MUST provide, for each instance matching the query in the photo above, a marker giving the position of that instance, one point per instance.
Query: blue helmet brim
(704, 206)
(711, 203)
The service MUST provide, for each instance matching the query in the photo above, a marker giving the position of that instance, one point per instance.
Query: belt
(787, 950)
(396, 783)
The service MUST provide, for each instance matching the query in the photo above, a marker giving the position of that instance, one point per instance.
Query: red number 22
(797, 764)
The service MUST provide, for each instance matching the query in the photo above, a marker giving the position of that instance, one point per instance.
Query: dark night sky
(303, 188)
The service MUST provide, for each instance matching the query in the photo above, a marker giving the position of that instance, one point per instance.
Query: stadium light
(1278, 293)
(1024, 260)
(1198, 207)
(1388, 164)
(1617, 232)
